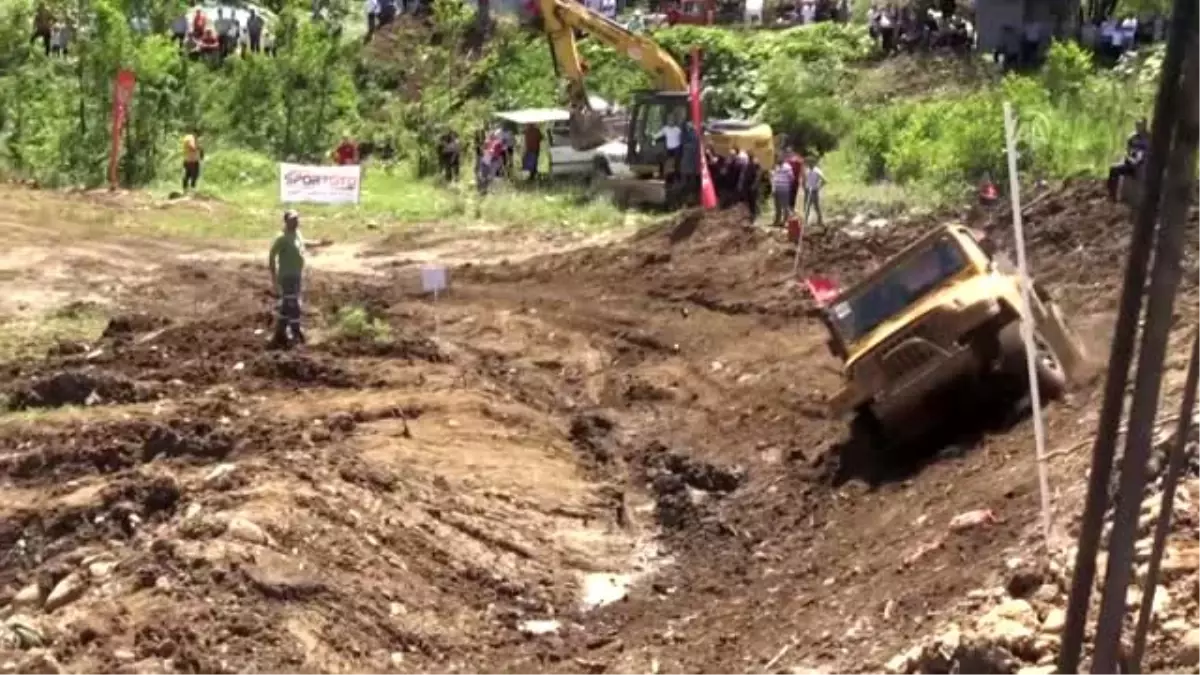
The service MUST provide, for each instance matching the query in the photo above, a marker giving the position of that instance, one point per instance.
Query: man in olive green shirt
(286, 263)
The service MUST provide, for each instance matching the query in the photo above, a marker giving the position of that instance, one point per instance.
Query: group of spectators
(909, 30)
(225, 36)
(1024, 47)
(54, 34)
(1110, 39)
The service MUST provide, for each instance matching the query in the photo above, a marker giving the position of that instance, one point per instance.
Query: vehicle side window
(559, 134)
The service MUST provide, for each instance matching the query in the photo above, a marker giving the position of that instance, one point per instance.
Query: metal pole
(1170, 480)
(1121, 352)
(1164, 283)
(1035, 398)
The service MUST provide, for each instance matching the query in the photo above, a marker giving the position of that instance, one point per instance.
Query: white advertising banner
(320, 184)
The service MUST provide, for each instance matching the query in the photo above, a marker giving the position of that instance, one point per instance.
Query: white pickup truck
(608, 160)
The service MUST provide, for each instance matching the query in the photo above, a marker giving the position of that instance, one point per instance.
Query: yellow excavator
(649, 110)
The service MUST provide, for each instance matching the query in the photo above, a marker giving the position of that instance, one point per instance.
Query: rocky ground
(610, 459)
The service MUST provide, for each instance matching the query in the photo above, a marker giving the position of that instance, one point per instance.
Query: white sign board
(320, 184)
(433, 279)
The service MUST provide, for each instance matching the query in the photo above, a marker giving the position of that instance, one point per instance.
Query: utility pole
(1168, 183)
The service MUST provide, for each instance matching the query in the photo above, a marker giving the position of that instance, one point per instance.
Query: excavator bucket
(588, 129)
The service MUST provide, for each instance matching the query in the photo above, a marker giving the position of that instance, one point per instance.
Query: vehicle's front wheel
(1051, 377)
(600, 172)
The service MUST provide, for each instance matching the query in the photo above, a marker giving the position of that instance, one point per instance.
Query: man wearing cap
(286, 263)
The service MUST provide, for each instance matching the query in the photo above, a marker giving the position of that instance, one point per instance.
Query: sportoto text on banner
(320, 184)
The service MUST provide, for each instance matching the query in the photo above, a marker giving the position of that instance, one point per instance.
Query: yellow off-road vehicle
(942, 313)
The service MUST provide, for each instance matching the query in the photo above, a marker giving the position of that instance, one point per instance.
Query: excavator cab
(651, 111)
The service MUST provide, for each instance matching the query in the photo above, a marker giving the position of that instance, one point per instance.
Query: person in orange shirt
(192, 156)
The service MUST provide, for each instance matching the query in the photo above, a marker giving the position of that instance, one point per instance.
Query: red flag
(708, 196)
(122, 94)
(823, 289)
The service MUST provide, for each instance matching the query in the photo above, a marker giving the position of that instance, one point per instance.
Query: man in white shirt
(814, 182)
(1129, 28)
(672, 136)
(371, 7)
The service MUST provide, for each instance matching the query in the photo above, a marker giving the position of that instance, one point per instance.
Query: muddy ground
(612, 459)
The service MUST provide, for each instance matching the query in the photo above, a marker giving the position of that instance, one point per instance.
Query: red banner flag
(822, 289)
(708, 196)
(122, 94)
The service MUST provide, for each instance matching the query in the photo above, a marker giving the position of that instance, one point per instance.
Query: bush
(354, 322)
(1071, 121)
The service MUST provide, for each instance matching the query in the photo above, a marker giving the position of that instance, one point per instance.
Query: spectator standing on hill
(782, 179)
(199, 24)
(1031, 41)
(346, 153)
(449, 155)
(814, 182)
(533, 150)
(254, 29)
(179, 29)
(224, 28)
(387, 12)
(43, 24)
(1008, 49)
(193, 154)
(60, 39)
(371, 9)
(887, 31)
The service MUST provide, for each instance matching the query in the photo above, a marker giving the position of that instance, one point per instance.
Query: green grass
(30, 337)
(233, 203)
(354, 321)
(846, 193)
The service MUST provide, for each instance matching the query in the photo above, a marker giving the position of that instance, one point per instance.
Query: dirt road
(609, 459)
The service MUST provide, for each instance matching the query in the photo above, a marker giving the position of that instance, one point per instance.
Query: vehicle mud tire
(1052, 378)
(868, 454)
(599, 173)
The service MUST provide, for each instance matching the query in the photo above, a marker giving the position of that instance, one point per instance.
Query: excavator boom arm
(562, 17)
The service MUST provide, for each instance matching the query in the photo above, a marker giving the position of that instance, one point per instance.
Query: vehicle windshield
(897, 288)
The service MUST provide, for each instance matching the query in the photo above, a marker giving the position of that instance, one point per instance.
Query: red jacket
(797, 163)
(347, 153)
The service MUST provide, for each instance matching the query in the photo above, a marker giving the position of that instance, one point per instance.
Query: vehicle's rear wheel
(1051, 377)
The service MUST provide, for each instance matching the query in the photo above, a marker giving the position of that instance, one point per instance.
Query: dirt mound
(303, 370)
(110, 447)
(411, 349)
(126, 326)
(78, 387)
